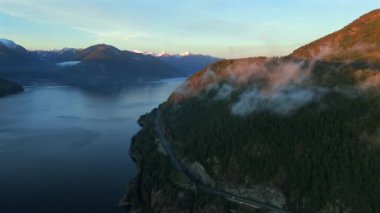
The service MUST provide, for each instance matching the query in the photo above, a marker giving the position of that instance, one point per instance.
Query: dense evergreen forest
(323, 155)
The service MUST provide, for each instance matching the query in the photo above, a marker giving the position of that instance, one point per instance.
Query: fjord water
(66, 150)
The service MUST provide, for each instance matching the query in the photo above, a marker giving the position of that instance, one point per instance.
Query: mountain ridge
(302, 129)
(359, 40)
(94, 67)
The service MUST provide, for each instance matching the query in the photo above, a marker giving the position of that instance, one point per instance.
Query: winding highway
(201, 187)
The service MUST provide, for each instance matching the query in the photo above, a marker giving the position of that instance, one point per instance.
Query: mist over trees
(319, 153)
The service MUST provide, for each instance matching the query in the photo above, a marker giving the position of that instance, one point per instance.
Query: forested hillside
(322, 155)
(300, 132)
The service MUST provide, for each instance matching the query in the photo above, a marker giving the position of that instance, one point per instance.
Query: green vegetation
(158, 187)
(324, 155)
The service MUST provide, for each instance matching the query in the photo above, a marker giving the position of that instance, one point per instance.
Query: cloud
(223, 27)
(45, 11)
(224, 91)
(371, 82)
(280, 86)
(368, 79)
(282, 102)
(183, 89)
(110, 35)
(329, 51)
(275, 84)
(79, 15)
(275, 72)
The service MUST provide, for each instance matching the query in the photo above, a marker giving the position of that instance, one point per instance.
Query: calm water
(65, 150)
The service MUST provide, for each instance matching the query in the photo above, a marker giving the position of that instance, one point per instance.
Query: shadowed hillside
(8, 88)
(297, 132)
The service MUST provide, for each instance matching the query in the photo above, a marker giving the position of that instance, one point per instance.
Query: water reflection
(66, 150)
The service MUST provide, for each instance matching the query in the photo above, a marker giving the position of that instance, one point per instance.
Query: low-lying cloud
(368, 79)
(329, 52)
(278, 85)
(282, 101)
(224, 91)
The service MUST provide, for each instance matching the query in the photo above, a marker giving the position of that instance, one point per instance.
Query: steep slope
(106, 66)
(8, 88)
(96, 67)
(299, 132)
(22, 66)
(14, 57)
(358, 41)
(10, 45)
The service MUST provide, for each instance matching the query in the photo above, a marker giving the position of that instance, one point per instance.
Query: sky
(223, 28)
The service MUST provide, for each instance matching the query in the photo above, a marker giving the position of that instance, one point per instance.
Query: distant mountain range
(186, 62)
(15, 57)
(97, 66)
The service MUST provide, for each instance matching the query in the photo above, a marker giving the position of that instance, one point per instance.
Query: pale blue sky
(224, 28)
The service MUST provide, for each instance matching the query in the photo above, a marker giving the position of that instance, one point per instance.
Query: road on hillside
(201, 187)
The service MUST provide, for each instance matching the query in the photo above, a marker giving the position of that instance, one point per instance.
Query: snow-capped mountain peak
(145, 52)
(163, 53)
(185, 54)
(138, 51)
